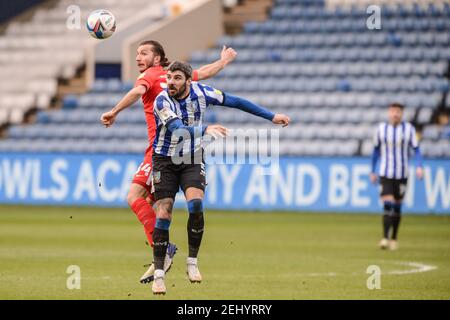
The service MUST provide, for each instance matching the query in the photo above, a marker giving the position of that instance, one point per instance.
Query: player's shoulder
(162, 96)
(162, 99)
(408, 124)
(206, 89)
(197, 86)
(153, 73)
(382, 125)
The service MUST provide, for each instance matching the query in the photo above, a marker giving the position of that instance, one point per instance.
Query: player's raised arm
(210, 70)
(250, 107)
(129, 99)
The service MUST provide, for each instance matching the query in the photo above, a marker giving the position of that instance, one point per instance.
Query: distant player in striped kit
(392, 143)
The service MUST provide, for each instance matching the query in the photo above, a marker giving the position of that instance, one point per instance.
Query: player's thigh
(165, 178)
(193, 177)
(400, 189)
(387, 189)
(142, 177)
(194, 193)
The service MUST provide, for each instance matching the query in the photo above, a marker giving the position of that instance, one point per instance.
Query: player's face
(395, 115)
(146, 58)
(177, 84)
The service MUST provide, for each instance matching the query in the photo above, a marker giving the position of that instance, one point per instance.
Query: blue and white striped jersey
(190, 111)
(394, 143)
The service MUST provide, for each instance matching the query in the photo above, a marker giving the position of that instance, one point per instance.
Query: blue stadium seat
(70, 102)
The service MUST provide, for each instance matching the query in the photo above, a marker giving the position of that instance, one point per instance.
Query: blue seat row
(110, 85)
(332, 41)
(334, 25)
(401, 54)
(326, 69)
(362, 84)
(293, 11)
(68, 145)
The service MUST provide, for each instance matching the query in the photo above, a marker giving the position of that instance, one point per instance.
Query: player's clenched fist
(282, 119)
(227, 55)
(216, 130)
(108, 118)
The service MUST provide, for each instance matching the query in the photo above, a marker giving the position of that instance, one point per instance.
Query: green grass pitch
(243, 256)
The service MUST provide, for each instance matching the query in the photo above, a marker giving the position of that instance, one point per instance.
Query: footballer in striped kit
(392, 143)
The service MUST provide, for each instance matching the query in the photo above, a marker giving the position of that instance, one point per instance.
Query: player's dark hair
(158, 50)
(181, 66)
(397, 105)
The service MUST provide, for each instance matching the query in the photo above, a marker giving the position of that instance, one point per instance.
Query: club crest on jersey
(195, 104)
(156, 177)
(165, 114)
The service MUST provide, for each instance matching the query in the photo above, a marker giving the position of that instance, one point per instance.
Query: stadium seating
(314, 60)
(35, 54)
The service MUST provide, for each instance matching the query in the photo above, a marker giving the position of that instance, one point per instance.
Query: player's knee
(195, 208)
(397, 208)
(388, 205)
(164, 208)
(131, 198)
(136, 192)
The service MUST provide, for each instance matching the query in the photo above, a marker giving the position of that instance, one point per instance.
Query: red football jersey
(154, 80)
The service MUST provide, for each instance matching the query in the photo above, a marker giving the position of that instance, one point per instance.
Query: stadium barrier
(301, 184)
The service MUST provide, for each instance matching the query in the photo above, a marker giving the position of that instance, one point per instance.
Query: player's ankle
(159, 273)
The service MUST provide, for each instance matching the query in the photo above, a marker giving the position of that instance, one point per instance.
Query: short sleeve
(195, 75)
(143, 81)
(213, 96)
(163, 110)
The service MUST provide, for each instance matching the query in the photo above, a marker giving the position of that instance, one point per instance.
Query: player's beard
(180, 93)
(146, 66)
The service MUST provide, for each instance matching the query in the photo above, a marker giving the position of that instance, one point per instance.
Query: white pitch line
(418, 267)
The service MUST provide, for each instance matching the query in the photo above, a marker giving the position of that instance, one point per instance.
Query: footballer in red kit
(151, 61)
(154, 81)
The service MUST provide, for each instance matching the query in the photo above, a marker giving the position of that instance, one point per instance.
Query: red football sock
(146, 216)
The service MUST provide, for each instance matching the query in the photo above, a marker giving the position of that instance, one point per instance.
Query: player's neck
(394, 124)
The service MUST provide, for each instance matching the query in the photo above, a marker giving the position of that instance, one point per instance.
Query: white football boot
(192, 270)
(384, 244)
(393, 245)
(158, 286)
(147, 277)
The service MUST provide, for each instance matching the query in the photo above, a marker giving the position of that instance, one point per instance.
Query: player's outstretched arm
(250, 107)
(210, 70)
(375, 155)
(128, 100)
